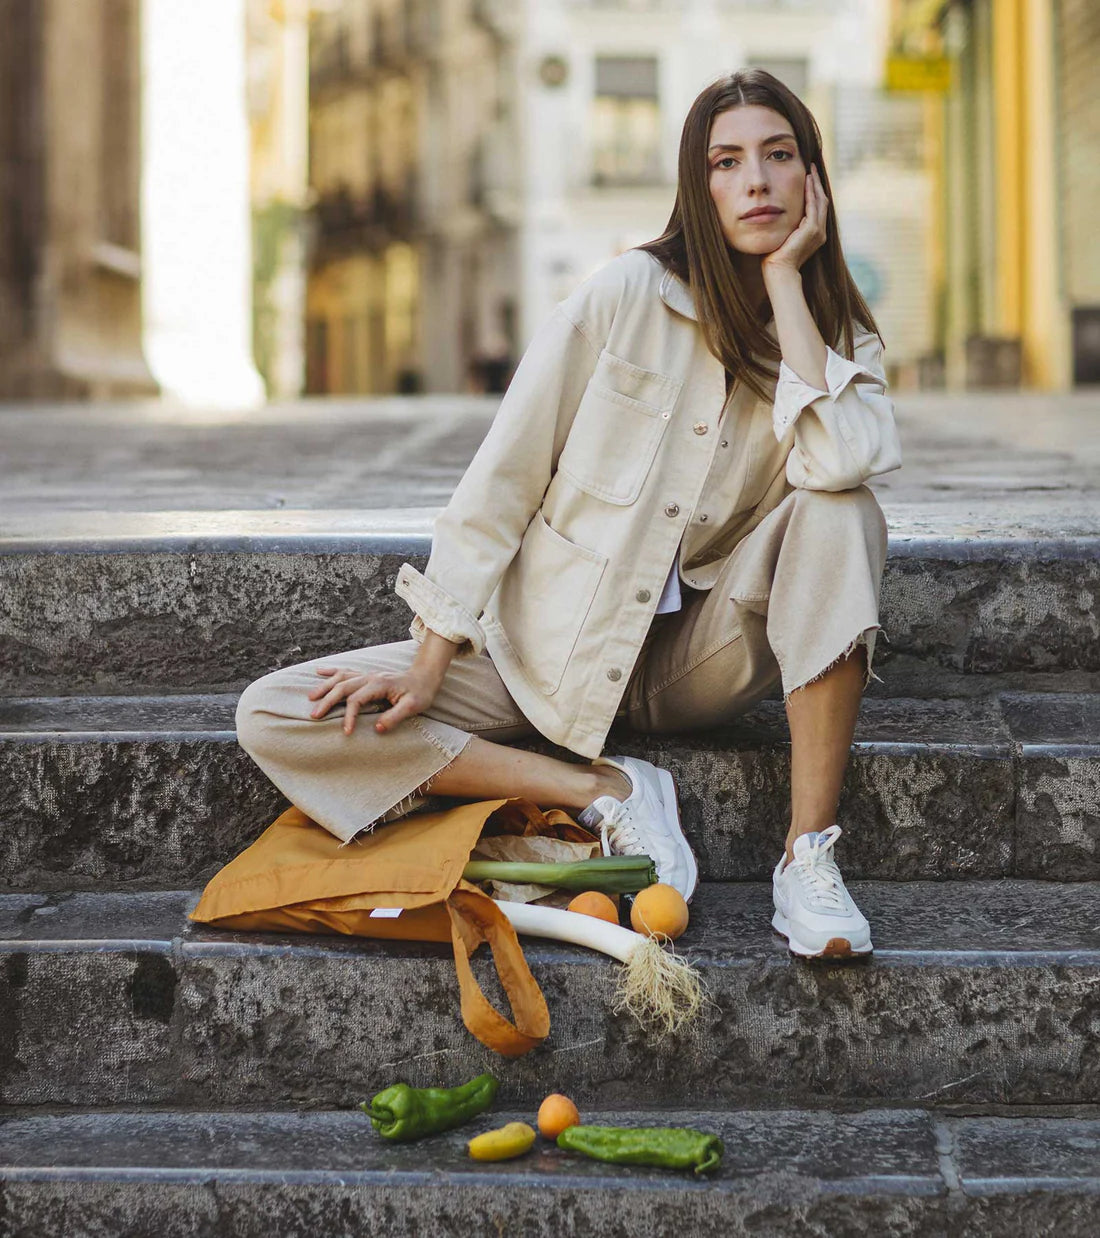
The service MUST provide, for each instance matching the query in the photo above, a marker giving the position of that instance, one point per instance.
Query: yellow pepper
(502, 1144)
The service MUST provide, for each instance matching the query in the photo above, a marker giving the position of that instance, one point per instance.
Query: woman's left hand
(810, 234)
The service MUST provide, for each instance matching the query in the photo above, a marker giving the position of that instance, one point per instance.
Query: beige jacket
(614, 448)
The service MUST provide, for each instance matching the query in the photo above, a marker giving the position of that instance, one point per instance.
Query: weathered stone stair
(905, 1171)
(159, 1077)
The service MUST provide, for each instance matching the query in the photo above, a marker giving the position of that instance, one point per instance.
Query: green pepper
(402, 1112)
(667, 1147)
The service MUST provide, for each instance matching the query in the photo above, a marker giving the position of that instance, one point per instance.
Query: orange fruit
(556, 1113)
(659, 911)
(593, 903)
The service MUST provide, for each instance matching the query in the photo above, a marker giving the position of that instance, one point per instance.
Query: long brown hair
(694, 247)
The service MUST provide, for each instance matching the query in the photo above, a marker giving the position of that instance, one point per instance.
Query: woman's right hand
(410, 692)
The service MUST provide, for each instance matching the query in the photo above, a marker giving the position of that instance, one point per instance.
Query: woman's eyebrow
(776, 137)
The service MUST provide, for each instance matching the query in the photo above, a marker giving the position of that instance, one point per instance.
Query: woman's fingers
(351, 712)
(372, 686)
(322, 688)
(359, 690)
(330, 692)
(394, 693)
(822, 199)
(404, 707)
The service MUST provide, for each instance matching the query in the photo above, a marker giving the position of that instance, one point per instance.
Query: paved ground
(1012, 465)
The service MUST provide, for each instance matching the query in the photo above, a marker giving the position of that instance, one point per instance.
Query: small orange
(557, 1113)
(593, 903)
(659, 911)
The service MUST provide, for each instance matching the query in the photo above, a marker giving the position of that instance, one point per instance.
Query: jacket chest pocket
(617, 429)
(545, 597)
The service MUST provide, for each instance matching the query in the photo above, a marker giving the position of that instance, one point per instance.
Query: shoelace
(818, 873)
(617, 830)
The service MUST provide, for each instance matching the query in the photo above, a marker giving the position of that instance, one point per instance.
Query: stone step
(143, 792)
(978, 993)
(299, 1174)
(156, 602)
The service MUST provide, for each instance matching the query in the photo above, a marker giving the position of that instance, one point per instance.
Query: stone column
(195, 203)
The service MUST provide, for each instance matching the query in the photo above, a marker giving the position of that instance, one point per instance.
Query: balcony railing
(331, 65)
(344, 222)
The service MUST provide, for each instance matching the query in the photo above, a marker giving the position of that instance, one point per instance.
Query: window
(626, 122)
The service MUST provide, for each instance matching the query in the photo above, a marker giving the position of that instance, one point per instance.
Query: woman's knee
(835, 510)
(262, 710)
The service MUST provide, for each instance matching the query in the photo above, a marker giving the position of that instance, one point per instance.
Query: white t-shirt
(671, 598)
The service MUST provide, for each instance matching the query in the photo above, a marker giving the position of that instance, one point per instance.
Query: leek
(610, 874)
(664, 993)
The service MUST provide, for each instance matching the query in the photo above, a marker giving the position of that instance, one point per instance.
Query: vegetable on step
(556, 1113)
(593, 903)
(502, 1144)
(662, 992)
(659, 911)
(610, 874)
(667, 1147)
(402, 1113)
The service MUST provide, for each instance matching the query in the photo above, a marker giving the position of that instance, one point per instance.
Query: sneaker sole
(835, 948)
(669, 796)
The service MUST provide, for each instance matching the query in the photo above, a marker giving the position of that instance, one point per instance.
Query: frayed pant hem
(415, 798)
(860, 639)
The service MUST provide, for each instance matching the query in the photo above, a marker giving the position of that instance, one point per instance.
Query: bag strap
(475, 918)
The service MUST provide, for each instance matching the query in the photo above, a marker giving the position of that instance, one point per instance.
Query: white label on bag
(387, 913)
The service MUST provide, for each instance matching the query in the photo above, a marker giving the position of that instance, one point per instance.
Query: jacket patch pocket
(545, 597)
(617, 429)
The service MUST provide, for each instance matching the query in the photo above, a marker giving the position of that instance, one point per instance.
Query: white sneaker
(646, 823)
(813, 910)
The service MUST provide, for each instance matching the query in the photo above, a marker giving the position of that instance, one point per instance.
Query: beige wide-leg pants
(798, 593)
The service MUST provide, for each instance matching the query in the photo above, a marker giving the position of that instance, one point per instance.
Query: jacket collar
(677, 295)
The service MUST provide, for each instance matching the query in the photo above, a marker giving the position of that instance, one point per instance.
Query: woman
(659, 527)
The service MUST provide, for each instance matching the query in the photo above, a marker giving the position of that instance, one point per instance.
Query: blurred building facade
(412, 142)
(124, 249)
(604, 176)
(1014, 145)
(532, 140)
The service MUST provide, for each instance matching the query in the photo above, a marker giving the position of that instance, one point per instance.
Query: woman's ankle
(607, 780)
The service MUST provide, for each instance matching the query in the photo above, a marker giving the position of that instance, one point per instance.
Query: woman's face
(753, 162)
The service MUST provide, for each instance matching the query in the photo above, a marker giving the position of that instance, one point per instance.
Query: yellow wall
(1028, 300)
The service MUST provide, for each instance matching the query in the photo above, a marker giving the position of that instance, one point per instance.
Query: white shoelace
(617, 829)
(818, 874)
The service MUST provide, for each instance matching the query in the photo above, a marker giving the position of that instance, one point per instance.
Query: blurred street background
(222, 202)
(269, 264)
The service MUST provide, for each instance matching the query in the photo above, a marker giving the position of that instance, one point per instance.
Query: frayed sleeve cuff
(435, 610)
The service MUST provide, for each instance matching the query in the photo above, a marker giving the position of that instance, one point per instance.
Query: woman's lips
(765, 218)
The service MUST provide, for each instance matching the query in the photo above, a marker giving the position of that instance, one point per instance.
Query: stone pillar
(195, 203)
(70, 246)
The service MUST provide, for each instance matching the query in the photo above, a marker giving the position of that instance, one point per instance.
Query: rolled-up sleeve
(479, 532)
(846, 434)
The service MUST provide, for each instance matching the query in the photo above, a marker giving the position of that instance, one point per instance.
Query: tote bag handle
(476, 918)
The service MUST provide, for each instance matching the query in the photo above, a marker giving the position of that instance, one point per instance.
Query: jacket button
(672, 509)
(703, 518)
(642, 595)
(725, 442)
(700, 427)
(614, 674)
